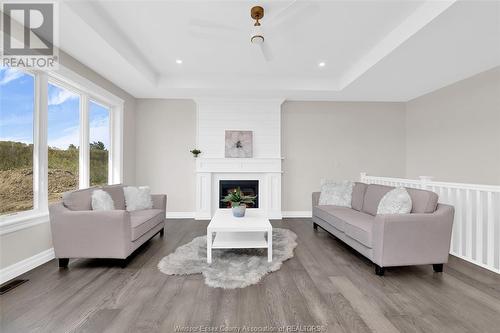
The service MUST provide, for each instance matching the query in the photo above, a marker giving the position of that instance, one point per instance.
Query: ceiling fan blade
(206, 24)
(205, 29)
(196, 33)
(266, 51)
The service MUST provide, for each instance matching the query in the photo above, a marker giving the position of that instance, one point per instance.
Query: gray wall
(338, 140)
(25, 243)
(453, 133)
(166, 132)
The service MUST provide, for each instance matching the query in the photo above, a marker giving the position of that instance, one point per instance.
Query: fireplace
(248, 187)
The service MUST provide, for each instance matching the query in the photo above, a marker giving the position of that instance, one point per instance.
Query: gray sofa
(421, 237)
(80, 232)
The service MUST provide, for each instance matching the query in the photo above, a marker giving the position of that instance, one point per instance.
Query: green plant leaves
(237, 197)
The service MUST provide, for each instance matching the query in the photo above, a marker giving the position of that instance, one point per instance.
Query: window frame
(110, 148)
(87, 90)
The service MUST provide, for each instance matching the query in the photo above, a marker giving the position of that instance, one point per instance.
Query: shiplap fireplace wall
(214, 117)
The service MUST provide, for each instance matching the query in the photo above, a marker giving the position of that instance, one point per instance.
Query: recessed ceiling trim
(424, 14)
(96, 19)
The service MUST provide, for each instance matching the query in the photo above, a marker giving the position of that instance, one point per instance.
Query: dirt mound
(16, 187)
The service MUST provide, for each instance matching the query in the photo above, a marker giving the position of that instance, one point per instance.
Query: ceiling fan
(257, 38)
(201, 28)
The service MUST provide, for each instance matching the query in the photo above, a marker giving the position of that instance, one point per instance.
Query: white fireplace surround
(263, 118)
(209, 171)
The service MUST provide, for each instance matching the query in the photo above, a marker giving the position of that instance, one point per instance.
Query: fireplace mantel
(235, 165)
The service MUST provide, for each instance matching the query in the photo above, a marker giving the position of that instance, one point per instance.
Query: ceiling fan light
(257, 39)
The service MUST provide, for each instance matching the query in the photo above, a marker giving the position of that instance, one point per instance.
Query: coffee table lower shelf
(239, 240)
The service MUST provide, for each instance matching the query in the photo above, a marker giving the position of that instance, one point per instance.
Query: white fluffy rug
(230, 269)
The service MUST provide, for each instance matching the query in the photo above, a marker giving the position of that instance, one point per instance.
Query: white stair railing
(476, 227)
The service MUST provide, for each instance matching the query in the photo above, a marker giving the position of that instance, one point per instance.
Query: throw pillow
(336, 193)
(101, 200)
(396, 201)
(137, 198)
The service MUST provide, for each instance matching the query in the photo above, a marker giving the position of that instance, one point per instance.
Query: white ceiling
(373, 50)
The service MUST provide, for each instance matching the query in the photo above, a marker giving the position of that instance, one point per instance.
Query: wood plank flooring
(325, 284)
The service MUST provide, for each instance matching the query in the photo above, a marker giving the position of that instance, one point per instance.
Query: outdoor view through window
(17, 97)
(99, 144)
(63, 141)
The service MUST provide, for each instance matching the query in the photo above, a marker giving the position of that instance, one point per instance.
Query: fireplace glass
(248, 187)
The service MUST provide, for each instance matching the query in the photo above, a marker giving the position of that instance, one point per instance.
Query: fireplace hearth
(247, 187)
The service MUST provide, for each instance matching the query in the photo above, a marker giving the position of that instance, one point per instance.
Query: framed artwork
(239, 144)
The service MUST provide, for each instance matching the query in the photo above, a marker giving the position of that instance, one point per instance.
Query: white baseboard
(180, 215)
(21, 267)
(296, 213)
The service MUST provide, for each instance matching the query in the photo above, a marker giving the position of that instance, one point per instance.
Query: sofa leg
(124, 262)
(162, 232)
(315, 226)
(63, 262)
(438, 268)
(379, 270)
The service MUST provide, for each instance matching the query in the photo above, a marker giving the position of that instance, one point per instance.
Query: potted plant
(195, 152)
(238, 201)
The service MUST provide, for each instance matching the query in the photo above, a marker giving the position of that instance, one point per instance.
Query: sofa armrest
(413, 239)
(90, 234)
(315, 198)
(159, 201)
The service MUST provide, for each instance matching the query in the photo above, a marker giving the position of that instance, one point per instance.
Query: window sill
(12, 223)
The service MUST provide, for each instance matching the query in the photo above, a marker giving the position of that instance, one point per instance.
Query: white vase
(239, 211)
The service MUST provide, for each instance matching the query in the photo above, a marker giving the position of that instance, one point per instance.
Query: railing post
(362, 177)
(424, 181)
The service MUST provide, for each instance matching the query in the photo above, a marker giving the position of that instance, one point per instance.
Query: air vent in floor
(11, 285)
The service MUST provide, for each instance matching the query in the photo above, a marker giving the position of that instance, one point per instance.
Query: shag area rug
(230, 268)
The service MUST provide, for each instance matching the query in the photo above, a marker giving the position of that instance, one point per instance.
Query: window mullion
(40, 160)
(84, 163)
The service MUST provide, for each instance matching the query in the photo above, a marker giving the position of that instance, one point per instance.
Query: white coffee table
(249, 232)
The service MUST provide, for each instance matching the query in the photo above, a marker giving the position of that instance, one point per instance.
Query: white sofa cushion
(396, 201)
(137, 198)
(101, 200)
(336, 193)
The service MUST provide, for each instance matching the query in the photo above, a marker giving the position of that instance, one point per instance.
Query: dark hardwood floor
(326, 283)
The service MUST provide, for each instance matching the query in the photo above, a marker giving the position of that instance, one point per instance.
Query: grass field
(16, 173)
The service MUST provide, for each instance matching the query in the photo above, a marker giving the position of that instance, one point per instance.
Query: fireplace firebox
(248, 187)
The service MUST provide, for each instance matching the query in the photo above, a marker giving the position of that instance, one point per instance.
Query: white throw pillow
(101, 200)
(336, 193)
(137, 197)
(396, 201)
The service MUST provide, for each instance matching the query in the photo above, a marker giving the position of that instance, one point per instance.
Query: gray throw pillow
(101, 200)
(396, 201)
(137, 198)
(336, 193)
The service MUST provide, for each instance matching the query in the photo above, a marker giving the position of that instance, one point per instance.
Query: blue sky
(16, 113)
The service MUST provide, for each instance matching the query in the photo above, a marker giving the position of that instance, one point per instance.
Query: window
(63, 141)
(58, 132)
(99, 142)
(17, 98)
